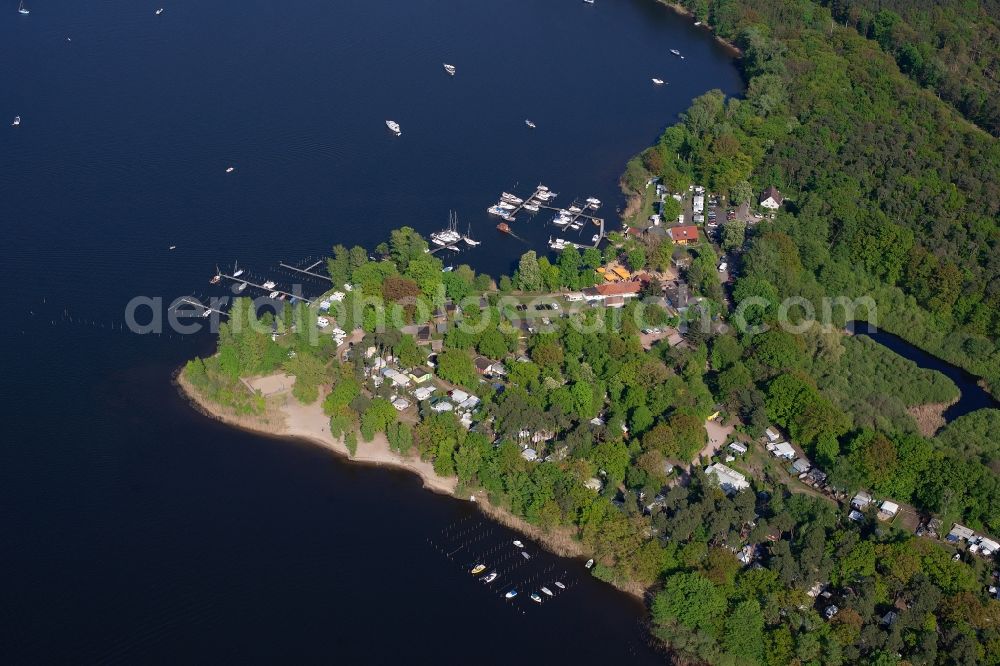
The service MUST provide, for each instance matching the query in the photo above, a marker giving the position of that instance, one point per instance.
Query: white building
(888, 510)
(782, 450)
(423, 393)
(728, 478)
(400, 404)
(771, 198)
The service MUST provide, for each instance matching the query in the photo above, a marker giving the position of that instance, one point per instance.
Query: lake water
(134, 528)
(973, 396)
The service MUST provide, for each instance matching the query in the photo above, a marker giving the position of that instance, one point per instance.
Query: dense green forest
(950, 46)
(889, 193)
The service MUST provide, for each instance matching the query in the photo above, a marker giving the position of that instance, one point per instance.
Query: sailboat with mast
(468, 238)
(21, 9)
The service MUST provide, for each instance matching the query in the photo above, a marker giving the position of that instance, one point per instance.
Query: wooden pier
(265, 289)
(205, 310)
(307, 270)
(576, 216)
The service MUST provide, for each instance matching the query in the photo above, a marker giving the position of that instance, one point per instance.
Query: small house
(801, 466)
(423, 393)
(773, 435)
(728, 478)
(442, 406)
(419, 375)
(888, 510)
(530, 455)
(396, 377)
(771, 198)
(400, 404)
(782, 450)
(684, 235)
(959, 532)
(738, 448)
(459, 396)
(861, 501)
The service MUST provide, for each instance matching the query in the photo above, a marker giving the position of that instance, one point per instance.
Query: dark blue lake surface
(973, 396)
(137, 530)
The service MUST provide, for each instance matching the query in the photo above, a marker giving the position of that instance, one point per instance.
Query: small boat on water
(518, 544)
(237, 271)
(697, 23)
(21, 9)
(268, 285)
(576, 226)
(511, 594)
(230, 169)
(547, 591)
(560, 585)
(490, 577)
(530, 124)
(534, 597)
(542, 188)
(17, 121)
(394, 127)
(450, 69)
(511, 198)
(172, 247)
(675, 52)
(589, 563)
(531, 207)
(506, 205)
(525, 555)
(589, 2)
(593, 202)
(215, 279)
(478, 569)
(595, 238)
(159, 11)
(240, 287)
(469, 240)
(206, 313)
(658, 82)
(504, 227)
(273, 295)
(575, 209)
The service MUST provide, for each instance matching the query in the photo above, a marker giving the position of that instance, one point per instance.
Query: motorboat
(230, 169)
(504, 227)
(450, 69)
(547, 591)
(560, 585)
(511, 594)
(525, 555)
(658, 82)
(478, 569)
(273, 295)
(542, 188)
(518, 544)
(514, 199)
(596, 238)
(490, 577)
(530, 124)
(557, 244)
(207, 313)
(531, 207)
(534, 597)
(240, 287)
(394, 127)
(269, 285)
(589, 563)
(159, 11)
(675, 52)
(576, 226)
(506, 205)
(17, 121)
(575, 209)
(172, 247)
(594, 202)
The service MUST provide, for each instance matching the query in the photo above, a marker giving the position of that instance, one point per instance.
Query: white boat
(589, 2)
(274, 294)
(21, 9)
(469, 240)
(576, 226)
(518, 543)
(240, 287)
(450, 69)
(658, 82)
(172, 247)
(525, 555)
(547, 591)
(530, 124)
(206, 313)
(230, 169)
(596, 238)
(17, 121)
(511, 594)
(507, 196)
(159, 11)
(589, 563)
(697, 23)
(594, 201)
(560, 585)
(268, 285)
(394, 126)
(499, 212)
(557, 244)
(534, 597)
(237, 271)
(490, 577)
(675, 52)
(531, 207)
(575, 209)
(506, 205)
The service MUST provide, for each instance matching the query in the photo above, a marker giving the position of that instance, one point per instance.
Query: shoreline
(293, 420)
(684, 11)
